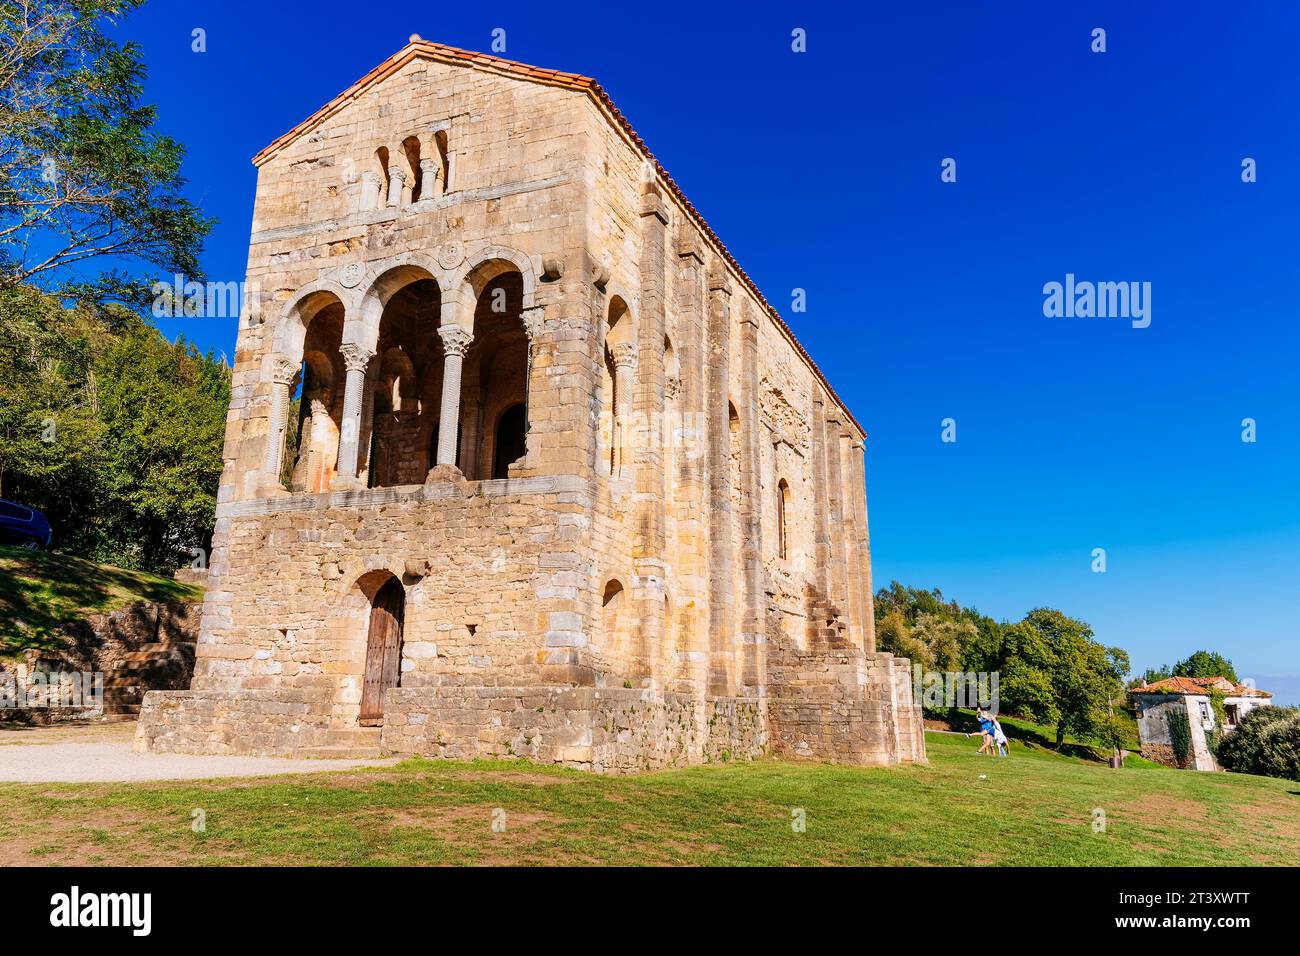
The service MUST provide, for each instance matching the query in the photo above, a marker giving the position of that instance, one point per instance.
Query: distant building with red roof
(1163, 705)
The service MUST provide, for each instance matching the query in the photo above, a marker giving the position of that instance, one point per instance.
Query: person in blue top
(986, 731)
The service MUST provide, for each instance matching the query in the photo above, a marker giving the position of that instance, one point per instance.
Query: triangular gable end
(417, 47)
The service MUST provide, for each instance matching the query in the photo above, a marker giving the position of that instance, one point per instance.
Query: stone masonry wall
(612, 730)
(510, 603)
(147, 646)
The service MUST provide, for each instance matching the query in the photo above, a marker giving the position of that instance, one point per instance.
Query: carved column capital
(532, 318)
(397, 173)
(283, 369)
(355, 357)
(624, 354)
(672, 389)
(455, 340)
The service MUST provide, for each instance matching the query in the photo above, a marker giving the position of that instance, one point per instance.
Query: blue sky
(821, 171)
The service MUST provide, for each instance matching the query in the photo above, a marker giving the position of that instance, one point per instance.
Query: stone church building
(520, 462)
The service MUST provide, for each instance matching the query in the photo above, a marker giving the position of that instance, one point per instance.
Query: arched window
(620, 350)
(411, 147)
(509, 440)
(782, 535)
(381, 155)
(611, 615)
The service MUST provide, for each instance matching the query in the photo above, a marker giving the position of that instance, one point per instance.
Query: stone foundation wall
(1162, 754)
(147, 646)
(280, 722)
(605, 730)
(846, 707)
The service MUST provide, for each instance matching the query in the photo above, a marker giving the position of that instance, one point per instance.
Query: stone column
(355, 359)
(864, 549)
(754, 600)
(821, 499)
(396, 183)
(624, 354)
(649, 558)
(722, 556)
(282, 374)
(849, 497)
(837, 552)
(692, 491)
(455, 342)
(372, 188)
(430, 173)
(534, 318)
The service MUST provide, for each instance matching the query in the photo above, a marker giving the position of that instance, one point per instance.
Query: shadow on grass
(40, 593)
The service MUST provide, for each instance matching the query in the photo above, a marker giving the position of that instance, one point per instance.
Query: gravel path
(102, 754)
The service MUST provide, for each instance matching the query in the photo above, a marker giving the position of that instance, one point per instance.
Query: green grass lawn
(1034, 808)
(40, 591)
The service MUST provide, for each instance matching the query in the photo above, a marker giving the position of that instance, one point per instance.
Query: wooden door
(383, 650)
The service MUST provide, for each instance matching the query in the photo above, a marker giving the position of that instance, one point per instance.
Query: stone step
(339, 753)
(355, 737)
(348, 743)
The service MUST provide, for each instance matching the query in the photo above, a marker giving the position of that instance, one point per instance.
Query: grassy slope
(1035, 808)
(40, 591)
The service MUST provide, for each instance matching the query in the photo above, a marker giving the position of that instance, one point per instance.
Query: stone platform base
(833, 710)
(610, 730)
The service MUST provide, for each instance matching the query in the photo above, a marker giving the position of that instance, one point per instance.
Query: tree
(1054, 672)
(83, 173)
(112, 431)
(1115, 731)
(1205, 664)
(1267, 741)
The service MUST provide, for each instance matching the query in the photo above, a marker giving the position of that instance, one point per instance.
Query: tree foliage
(1205, 664)
(109, 429)
(1050, 667)
(84, 175)
(1267, 741)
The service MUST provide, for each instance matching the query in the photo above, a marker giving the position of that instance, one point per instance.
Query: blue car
(23, 526)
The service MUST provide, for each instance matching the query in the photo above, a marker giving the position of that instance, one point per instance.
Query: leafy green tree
(945, 640)
(894, 636)
(84, 175)
(113, 432)
(1267, 742)
(1116, 731)
(1205, 664)
(164, 415)
(1025, 663)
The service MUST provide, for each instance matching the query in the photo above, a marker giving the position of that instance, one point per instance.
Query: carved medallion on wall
(451, 253)
(351, 274)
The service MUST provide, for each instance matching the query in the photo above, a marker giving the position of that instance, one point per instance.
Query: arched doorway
(509, 440)
(383, 650)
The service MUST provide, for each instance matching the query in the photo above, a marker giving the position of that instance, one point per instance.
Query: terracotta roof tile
(1198, 685)
(577, 82)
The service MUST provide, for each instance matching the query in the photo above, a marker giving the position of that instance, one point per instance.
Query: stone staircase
(826, 627)
(140, 648)
(158, 665)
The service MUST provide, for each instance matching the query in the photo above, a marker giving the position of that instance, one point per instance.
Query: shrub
(1266, 742)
